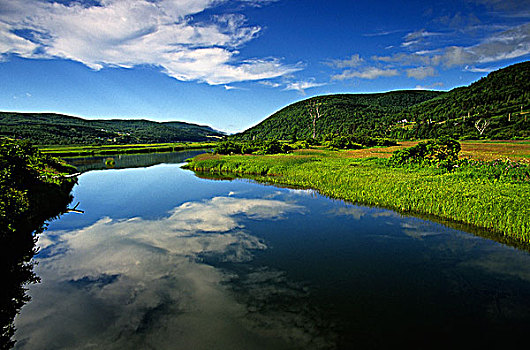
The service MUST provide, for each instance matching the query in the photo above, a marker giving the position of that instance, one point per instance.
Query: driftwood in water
(75, 210)
(67, 176)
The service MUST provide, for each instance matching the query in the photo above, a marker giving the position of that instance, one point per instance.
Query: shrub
(341, 142)
(355, 141)
(299, 145)
(228, 147)
(257, 147)
(440, 152)
(370, 141)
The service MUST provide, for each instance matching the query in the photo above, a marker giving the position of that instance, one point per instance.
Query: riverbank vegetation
(33, 188)
(98, 150)
(491, 194)
(274, 146)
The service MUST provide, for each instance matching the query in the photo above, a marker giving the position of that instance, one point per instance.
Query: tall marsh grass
(500, 204)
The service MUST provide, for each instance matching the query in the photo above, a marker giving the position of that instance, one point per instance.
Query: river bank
(100, 150)
(34, 188)
(501, 206)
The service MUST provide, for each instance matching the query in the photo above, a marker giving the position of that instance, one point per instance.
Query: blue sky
(232, 63)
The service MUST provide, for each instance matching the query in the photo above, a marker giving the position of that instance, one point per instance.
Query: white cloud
(353, 61)
(421, 72)
(419, 57)
(270, 84)
(479, 70)
(503, 45)
(410, 43)
(508, 44)
(505, 6)
(419, 34)
(382, 33)
(430, 87)
(257, 3)
(367, 73)
(417, 37)
(301, 86)
(11, 43)
(230, 87)
(128, 33)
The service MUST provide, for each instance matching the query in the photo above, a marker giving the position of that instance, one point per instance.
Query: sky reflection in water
(165, 260)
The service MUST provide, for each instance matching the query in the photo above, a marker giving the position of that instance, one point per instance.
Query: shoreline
(88, 151)
(502, 208)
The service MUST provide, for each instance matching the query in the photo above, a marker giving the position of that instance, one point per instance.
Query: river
(164, 259)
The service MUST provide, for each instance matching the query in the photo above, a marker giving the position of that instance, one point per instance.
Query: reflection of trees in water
(17, 249)
(31, 192)
(16, 268)
(121, 161)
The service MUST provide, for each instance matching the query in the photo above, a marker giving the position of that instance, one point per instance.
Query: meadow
(490, 188)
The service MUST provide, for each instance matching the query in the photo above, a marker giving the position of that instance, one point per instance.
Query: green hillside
(501, 100)
(497, 104)
(56, 129)
(342, 114)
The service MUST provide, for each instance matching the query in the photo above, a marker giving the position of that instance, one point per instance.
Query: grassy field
(481, 150)
(72, 151)
(491, 150)
(363, 176)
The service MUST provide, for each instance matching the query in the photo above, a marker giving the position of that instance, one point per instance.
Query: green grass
(499, 206)
(83, 150)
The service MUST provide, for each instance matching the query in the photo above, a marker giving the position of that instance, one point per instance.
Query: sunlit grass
(362, 177)
(513, 150)
(480, 150)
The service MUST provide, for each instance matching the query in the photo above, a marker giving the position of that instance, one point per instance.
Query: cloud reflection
(136, 283)
(359, 212)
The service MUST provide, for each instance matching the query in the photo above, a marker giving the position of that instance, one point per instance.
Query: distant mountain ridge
(52, 129)
(500, 102)
(496, 106)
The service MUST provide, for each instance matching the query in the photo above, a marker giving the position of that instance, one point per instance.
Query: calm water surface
(162, 259)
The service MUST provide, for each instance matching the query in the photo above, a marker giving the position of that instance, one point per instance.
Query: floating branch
(67, 176)
(75, 210)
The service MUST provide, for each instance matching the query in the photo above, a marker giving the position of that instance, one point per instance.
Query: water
(163, 259)
(123, 161)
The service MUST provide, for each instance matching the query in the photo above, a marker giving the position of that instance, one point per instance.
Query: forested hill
(52, 129)
(339, 114)
(500, 102)
(496, 106)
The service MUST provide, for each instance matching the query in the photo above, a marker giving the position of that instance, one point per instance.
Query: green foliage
(32, 190)
(369, 141)
(257, 147)
(498, 170)
(440, 152)
(57, 129)
(356, 141)
(341, 142)
(272, 147)
(346, 114)
(230, 147)
(497, 204)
